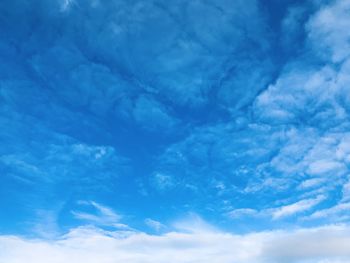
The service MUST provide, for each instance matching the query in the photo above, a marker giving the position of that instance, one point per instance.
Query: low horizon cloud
(93, 245)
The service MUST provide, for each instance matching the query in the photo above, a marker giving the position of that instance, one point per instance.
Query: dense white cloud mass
(91, 245)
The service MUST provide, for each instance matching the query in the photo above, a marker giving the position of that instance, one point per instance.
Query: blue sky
(151, 126)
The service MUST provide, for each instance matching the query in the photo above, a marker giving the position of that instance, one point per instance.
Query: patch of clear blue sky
(149, 107)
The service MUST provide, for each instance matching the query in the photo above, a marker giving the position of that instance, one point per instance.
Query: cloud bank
(92, 245)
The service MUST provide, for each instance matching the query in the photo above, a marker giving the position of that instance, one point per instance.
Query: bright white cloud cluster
(90, 245)
(312, 100)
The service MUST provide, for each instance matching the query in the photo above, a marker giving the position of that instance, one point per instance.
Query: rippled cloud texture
(191, 131)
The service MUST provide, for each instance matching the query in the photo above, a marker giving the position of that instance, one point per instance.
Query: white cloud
(193, 223)
(241, 212)
(325, 166)
(311, 183)
(314, 100)
(91, 245)
(346, 192)
(298, 93)
(328, 30)
(298, 207)
(27, 172)
(154, 224)
(281, 212)
(338, 212)
(102, 215)
(162, 181)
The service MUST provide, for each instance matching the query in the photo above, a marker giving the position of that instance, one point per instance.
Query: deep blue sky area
(137, 114)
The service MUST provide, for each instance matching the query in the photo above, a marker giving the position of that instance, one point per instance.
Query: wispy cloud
(242, 212)
(337, 213)
(154, 224)
(298, 207)
(101, 216)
